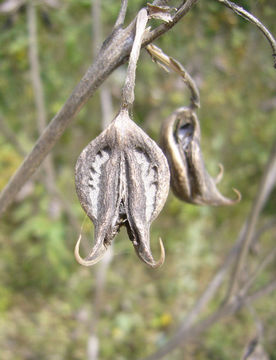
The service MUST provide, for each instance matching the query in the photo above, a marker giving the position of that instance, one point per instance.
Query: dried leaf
(160, 12)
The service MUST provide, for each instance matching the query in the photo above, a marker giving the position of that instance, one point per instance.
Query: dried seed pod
(190, 181)
(122, 178)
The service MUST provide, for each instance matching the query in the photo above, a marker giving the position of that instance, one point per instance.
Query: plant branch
(113, 53)
(128, 89)
(182, 337)
(247, 16)
(170, 63)
(122, 15)
(262, 265)
(9, 135)
(203, 301)
(105, 96)
(265, 188)
(263, 229)
(38, 92)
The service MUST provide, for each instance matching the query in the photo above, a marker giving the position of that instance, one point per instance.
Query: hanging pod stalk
(180, 141)
(122, 176)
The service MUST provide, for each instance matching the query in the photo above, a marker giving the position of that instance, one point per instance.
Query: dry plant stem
(113, 53)
(128, 89)
(263, 264)
(35, 67)
(122, 14)
(265, 188)
(93, 341)
(105, 96)
(266, 227)
(157, 54)
(181, 338)
(214, 285)
(49, 179)
(203, 301)
(10, 137)
(246, 15)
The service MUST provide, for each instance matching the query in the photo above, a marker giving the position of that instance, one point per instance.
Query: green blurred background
(47, 300)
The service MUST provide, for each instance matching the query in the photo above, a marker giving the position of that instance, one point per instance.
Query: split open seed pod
(122, 178)
(190, 181)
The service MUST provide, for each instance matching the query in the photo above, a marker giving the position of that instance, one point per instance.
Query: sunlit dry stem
(248, 16)
(128, 89)
(158, 55)
(262, 265)
(265, 187)
(122, 14)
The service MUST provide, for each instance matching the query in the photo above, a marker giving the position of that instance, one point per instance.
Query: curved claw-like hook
(146, 256)
(217, 199)
(219, 176)
(95, 256)
(239, 196)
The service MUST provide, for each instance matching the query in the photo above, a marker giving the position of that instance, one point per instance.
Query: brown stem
(247, 16)
(38, 91)
(105, 95)
(122, 14)
(158, 55)
(262, 265)
(265, 188)
(128, 89)
(181, 338)
(9, 135)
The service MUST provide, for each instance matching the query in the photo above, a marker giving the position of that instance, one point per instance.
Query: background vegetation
(47, 300)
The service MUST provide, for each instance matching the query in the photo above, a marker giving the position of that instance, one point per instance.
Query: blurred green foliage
(46, 299)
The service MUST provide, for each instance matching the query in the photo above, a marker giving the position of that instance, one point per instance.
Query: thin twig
(263, 229)
(265, 188)
(105, 95)
(181, 338)
(10, 137)
(158, 55)
(203, 301)
(262, 265)
(122, 15)
(101, 271)
(128, 89)
(38, 91)
(214, 284)
(248, 16)
(113, 53)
